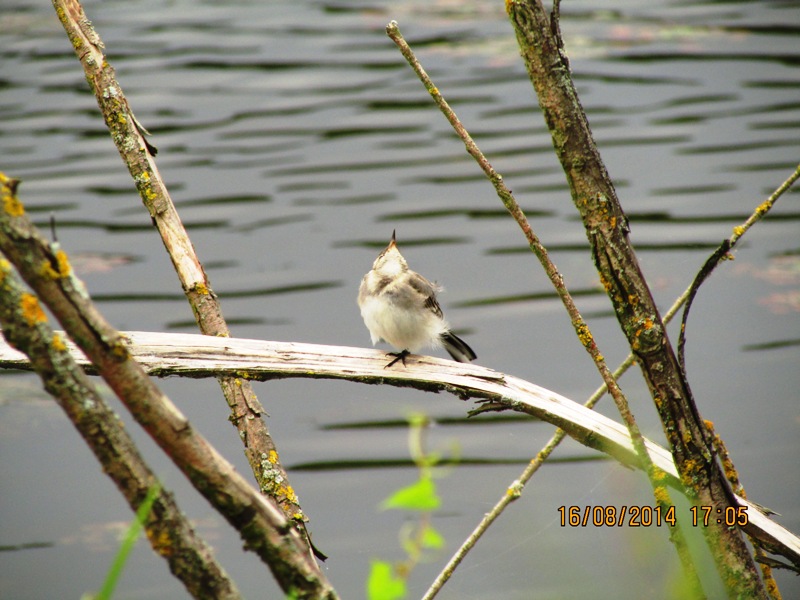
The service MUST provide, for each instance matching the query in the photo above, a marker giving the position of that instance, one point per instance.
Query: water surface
(294, 138)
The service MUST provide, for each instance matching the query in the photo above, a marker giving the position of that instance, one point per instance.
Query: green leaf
(383, 584)
(432, 538)
(420, 495)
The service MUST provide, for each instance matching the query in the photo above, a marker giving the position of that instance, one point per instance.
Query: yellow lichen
(764, 207)
(659, 475)
(661, 495)
(515, 489)
(60, 270)
(119, 350)
(689, 473)
(162, 541)
(32, 310)
(772, 585)
(11, 203)
(647, 324)
(730, 471)
(5, 268)
(584, 334)
(273, 457)
(288, 492)
(58, 343)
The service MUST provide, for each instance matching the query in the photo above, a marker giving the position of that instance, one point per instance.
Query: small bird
(399, 306)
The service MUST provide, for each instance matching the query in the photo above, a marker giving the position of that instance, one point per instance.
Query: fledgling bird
(399, 306)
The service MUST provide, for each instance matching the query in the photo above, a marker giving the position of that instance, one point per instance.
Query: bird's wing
(427, 290)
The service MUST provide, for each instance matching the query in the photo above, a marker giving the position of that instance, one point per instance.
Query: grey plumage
(399, 306)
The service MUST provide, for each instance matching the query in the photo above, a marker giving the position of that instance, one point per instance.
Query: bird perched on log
(399, 306)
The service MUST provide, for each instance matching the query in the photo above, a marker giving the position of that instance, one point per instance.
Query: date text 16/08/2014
(648, 516)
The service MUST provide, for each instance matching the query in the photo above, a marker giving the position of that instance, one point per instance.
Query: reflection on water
(294, 138)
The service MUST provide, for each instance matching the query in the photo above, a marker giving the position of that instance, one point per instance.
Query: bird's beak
(393, 241)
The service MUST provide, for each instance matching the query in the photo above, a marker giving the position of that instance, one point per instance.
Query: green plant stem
(126, 547)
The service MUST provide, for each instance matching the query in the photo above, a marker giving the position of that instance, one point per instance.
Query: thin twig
(506, 196)
(513, 492)
(581, 327)
(720, 254)
(723, 253)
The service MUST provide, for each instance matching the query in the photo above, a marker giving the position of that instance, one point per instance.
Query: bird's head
(390, 262)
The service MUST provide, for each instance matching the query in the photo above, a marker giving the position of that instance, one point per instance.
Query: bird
(399, 306)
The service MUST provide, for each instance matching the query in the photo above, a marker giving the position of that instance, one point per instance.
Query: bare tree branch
(138, 154)
(169, 532)
(606, 226)
(723, 252)
(261, 523)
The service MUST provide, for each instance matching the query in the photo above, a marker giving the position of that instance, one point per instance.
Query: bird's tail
(457, 348)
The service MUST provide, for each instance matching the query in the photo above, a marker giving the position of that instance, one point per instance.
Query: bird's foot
(398, 356)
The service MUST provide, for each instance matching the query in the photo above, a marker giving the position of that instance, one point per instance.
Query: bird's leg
(398, 356)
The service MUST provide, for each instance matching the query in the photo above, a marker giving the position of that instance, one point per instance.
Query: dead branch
(139, 156)
(169, 532)
(594, 196)
(188, 355)
(262, 524)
